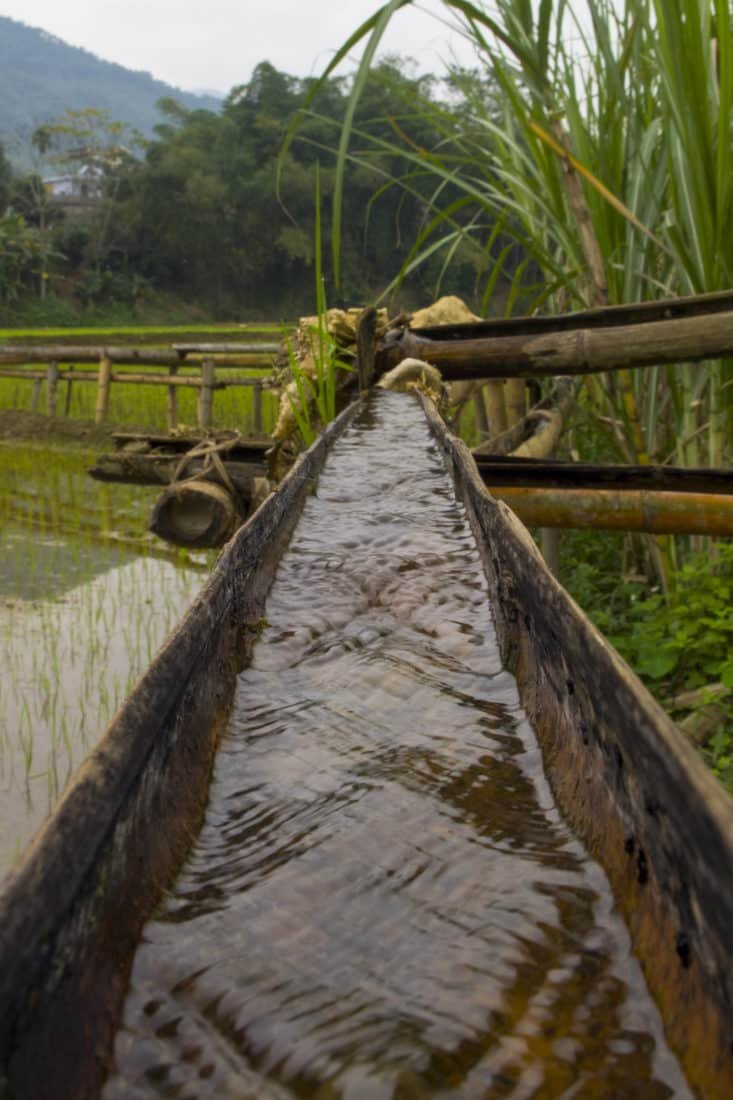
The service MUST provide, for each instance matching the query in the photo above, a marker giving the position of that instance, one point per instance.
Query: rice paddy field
(87, 594)
(86, 599)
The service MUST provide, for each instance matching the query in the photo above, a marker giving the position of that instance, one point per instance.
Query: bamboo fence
(19, 362)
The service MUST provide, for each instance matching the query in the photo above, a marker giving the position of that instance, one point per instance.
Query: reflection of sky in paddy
(68, 661)
(36, 565)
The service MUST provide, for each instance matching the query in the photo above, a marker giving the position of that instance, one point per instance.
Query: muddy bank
(38, 428)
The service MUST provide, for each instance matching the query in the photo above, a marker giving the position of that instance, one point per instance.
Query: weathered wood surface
(558, 474)
(153, 337)
(623, 774)
(160, 469)
(660, 513)
(70, 915)
(627, 780)
(637, 313)
(242, 450)
(226, 349)
(126, 356)
(569, 352)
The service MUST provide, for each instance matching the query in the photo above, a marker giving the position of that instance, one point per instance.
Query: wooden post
(36, 394)
(52, 382)
(67, 402)
(206, 393)
(493, 394)
(366, 347)
(550, 546)
(515, 401)
(172, 404)
(105, 372)
(482, 421)
(257, 408)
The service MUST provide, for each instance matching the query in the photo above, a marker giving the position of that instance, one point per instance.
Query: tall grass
(598, 138)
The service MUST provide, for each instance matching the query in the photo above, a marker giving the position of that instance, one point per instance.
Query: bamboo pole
(516, 400)
(104, 381)
(172, 403)
(206, 393)
(621, 510)
(603, 316)
(257, 409)
(550, 546)
(575, 352)
(493, 396)
(52, 375)
(36, 394)
(482, 420)
(11, 354)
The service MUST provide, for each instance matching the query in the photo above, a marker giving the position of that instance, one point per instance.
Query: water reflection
(384, 901)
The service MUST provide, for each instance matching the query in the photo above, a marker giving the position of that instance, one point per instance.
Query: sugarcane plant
(596, 140)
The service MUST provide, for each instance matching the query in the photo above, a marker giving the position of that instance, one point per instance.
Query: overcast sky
(215, 44)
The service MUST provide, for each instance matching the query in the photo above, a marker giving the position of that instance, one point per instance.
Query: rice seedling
(80, 618)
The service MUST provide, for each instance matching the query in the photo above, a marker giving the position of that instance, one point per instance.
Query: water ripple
(383, 901)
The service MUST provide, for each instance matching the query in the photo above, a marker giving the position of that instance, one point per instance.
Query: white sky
(215, 44)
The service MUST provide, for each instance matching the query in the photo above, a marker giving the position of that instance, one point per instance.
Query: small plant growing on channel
(316, 391)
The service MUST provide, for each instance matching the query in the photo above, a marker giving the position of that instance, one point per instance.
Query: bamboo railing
(18, 361)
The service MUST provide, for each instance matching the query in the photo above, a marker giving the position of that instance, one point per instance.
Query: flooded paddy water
(384, 901)
(84, 606)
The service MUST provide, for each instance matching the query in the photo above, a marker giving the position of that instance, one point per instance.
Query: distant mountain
(40, 76)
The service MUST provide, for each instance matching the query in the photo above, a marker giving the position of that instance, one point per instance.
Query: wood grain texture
(71, 914)
(624, 776)
(576, 351)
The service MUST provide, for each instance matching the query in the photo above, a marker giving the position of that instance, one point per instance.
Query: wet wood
(626, 779)
(71, 913)
(665, 513)
(647, 808)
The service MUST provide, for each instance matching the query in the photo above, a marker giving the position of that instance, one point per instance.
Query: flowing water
(384, 901)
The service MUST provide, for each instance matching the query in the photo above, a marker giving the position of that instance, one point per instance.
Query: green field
(141, 334)
(143, 406)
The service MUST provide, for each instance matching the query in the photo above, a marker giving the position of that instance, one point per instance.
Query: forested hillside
(197, 216)
(40, 76)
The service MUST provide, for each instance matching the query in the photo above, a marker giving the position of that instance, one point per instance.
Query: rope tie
(210, 450)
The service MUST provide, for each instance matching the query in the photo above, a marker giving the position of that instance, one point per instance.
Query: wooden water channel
(633, 790)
